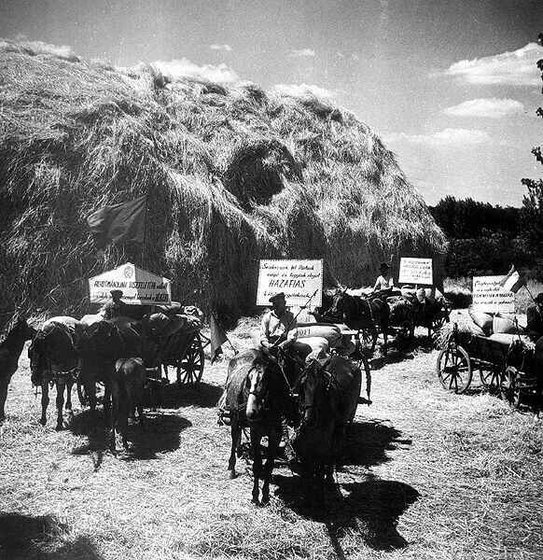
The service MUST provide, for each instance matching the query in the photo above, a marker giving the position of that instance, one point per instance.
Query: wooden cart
(508, 368)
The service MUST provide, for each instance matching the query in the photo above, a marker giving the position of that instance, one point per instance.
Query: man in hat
(278, 325)
(116, 307)
(384, 283)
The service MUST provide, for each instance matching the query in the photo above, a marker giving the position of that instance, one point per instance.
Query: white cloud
(450, 137)
(488, 107)
(225, 47)
(517, 68)
(185, 68)
(304, 90)
(39, 47)
(302, 53)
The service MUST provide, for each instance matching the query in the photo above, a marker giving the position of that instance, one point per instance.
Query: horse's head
(342, 305)
(18, 329)
(38, 357)
(314, 385)
(264, 384)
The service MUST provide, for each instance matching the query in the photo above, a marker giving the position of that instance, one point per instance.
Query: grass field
(426, 475)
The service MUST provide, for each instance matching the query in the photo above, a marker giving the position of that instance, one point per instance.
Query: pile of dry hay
(232, 176)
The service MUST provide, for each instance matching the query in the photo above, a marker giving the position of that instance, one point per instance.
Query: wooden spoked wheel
(454, 368)
(190, 367)
(491, 378)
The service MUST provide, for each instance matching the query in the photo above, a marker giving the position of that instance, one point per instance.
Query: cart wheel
(491, 378)
(454, 368)
(439, 322)
(190, 367)
(509, 388)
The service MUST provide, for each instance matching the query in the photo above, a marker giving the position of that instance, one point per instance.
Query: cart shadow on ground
(43, 537)
(399, 350)
(160, 433)
(177, 395)
(371, 507)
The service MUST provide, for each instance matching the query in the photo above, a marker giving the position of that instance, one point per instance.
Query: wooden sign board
(138, 286)
(490, 297)
(416, 271)
(298, 279)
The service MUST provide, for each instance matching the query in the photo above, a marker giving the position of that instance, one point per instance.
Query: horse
(257, 396)
(360, 313)
(53, 359)
(328, 398)
(127, 390)
(99, 345)
(17, 333)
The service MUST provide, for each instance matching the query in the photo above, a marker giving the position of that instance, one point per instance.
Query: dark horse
(53, 359)
(17, 333)
(328, 401)
(257, 396)
(360, 313)
(99, 346)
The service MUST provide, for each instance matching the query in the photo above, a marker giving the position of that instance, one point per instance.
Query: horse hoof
(255, 501)
(43, 421)
(58, 427)
(232, 474)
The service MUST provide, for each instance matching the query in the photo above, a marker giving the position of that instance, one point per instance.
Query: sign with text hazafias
(416, 271)
(138, 286)
(490, 296)
(298, 279)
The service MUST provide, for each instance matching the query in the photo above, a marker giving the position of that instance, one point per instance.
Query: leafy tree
(532, 209)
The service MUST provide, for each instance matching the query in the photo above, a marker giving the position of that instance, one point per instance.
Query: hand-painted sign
(298, 279)
(416, 271)
(138, 286)
(490, 296)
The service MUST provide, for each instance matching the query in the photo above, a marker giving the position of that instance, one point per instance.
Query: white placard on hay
(138, 286)
(298, 279)
(416, 271)
(490, 297)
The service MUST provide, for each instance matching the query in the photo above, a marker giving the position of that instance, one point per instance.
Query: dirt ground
(426, 474)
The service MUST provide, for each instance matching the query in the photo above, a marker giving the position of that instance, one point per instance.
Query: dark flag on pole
(218, 337)
(118, 222)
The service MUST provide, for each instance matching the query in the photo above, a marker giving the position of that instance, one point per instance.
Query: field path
(426, 475)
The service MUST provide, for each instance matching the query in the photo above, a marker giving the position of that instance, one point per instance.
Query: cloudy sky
(450, 85)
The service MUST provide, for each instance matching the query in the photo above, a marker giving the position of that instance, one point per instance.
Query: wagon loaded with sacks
(411, 308)
(138, 319)
(508, 361)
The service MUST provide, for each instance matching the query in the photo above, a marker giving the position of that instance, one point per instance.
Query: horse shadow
(176, 395)
(25, 536)
(371, 507)
(159, 433)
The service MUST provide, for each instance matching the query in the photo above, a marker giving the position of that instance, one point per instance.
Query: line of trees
(486, 239)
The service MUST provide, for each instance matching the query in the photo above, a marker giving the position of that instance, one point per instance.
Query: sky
(450, 86)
